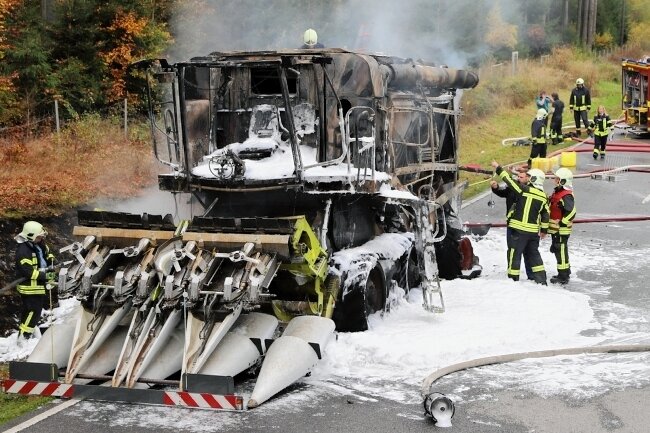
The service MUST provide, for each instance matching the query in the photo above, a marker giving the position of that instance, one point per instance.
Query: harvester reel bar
(242, 225)
(125, 220)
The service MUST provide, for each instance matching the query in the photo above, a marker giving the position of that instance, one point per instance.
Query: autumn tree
(501, 36)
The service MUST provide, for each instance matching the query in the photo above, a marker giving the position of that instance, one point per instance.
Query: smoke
(450, 32)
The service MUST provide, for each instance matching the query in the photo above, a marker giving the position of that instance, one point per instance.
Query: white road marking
(40, 417)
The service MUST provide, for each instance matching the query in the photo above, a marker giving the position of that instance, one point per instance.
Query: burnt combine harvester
(327, 178)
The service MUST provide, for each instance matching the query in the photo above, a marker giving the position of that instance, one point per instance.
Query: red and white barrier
(32, 387)
(202, 400)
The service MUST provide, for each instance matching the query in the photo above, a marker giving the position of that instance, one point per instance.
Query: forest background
(78, 52)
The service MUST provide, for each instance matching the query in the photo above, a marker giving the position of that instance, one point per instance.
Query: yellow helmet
(32, 230)
(541, 113)
(580, 82)
(537, 177)
(566, 177)
(310, 37)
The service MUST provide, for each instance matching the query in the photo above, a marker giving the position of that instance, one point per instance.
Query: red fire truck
(636, 94)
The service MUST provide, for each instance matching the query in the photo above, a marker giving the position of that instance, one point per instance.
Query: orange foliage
(46, 176)
(126, 27)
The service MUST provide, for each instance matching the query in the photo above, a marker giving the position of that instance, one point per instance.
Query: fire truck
(636, 95)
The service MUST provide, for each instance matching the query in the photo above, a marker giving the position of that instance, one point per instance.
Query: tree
(499, 33)
(587, 22)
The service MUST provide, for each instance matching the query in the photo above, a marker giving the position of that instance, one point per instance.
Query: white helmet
(541, 114)
(566, 177)
(537, 177)
(310, 37)
(32, 230)
(580, 82)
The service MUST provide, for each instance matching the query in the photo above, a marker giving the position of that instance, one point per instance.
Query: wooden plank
(223, 241)
(234, 241)
(121, 237)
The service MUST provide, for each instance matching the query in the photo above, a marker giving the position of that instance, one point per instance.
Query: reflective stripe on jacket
(530, 212)
(27, 267)
(602, 124)
(580, 99)
(563, 212)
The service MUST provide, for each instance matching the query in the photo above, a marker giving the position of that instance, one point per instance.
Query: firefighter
(538, 136)
(527, 222)
(34, 263)
(601, 125)
(310, 40)
(556, 120)
(511, 197)
(562, 214)
(580, 104)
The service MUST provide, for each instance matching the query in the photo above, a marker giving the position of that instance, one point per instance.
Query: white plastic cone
(236, 352)
(291, 356)
(287, 360)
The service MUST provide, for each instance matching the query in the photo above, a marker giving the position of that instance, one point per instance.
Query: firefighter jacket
(538, 131)
(580, 99)
(601, 125)
(530, 212)
(508, 194)
(27, 266)
(563, 211)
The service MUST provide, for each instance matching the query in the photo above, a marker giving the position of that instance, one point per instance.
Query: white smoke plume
(447, 32)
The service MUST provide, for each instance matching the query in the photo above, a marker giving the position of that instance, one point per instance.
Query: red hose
(576, 221)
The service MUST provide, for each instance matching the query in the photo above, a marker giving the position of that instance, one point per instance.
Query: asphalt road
(486, 407)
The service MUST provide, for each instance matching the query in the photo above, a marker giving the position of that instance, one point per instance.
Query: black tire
(351, 313)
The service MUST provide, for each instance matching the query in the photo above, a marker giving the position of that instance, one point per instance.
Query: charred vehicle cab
(360, 145)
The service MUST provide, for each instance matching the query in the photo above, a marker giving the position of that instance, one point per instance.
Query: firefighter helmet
(541, 114)
(580, 82)
(566, 177)
(32, 230)
(537, 177)
(310, 37)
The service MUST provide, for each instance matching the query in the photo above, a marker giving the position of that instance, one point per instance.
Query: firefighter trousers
(30, 314)
(560, 247)
(527, 245)
(581, 115)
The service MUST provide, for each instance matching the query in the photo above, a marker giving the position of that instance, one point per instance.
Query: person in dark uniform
(527, 221)
(511, 197)
(562, 214)
(35, 264)
(580, 104)
(601, 125)
(556, 120)
(538, 136)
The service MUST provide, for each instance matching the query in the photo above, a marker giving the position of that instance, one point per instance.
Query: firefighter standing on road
(35, 264)
(563, 212)
(580, 104)
(511, 197)
(538, 135)
(602, 124)
(527, 221)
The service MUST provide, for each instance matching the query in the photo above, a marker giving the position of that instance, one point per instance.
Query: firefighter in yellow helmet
(562, 214)
(310, 40)
(580, 104)
(35, 265)
(527, 222)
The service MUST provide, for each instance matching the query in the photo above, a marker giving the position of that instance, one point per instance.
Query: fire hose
(441, 408)
(484, 227)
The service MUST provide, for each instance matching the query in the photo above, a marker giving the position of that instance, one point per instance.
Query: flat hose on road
(502, 359)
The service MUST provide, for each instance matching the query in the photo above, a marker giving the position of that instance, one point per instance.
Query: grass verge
(15, 405)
